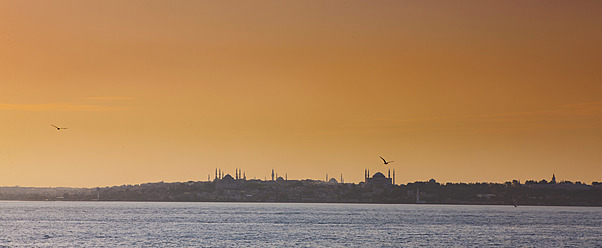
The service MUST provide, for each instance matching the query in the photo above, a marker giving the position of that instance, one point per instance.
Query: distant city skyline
(470, 91)
(377, 188)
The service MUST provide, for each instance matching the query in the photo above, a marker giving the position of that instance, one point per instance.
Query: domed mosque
(379, 178)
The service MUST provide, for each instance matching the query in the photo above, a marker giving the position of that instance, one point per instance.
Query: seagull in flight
(385, 161)
(58, 128)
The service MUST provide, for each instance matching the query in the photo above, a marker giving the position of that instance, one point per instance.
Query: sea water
(172, 224)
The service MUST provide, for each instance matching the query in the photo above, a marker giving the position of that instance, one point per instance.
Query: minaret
(215, 173)
(286, 176)
(236, 173)
(553, 179)
(417, 195)
(272, 174)
(326, 177)
(365, 174)
(341, 178)
(394, 177)
(389, 176)
(244, 176)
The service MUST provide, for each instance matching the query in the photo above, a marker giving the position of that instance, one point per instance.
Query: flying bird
(58, 128)
(385, 161)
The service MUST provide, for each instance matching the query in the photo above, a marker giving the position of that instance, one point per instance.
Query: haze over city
(471, 91)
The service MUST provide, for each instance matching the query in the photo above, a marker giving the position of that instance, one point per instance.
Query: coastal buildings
(377, 188)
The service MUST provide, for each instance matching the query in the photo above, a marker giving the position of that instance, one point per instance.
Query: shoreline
(351, 203)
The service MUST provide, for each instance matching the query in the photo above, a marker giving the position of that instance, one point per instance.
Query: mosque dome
(228, 178)
(379, 175)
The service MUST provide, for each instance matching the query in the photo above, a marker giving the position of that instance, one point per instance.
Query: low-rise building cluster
(375, 189)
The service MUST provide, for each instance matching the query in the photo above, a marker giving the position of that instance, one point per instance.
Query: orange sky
(152, 91)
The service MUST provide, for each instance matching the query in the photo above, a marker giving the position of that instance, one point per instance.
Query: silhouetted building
(379, 179)
(227, 182)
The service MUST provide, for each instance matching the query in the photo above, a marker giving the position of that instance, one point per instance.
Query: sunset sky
(458, 91)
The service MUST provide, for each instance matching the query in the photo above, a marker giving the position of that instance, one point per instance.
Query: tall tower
(553, 178)
(215, 173)
(394, 177)
(272, 174)
(417, 195)
(342, 178)
(389, 176)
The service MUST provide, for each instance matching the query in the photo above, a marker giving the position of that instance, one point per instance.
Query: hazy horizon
(299, 179)
(463, 91)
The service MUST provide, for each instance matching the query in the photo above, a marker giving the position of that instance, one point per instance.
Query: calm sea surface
(150, 224)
